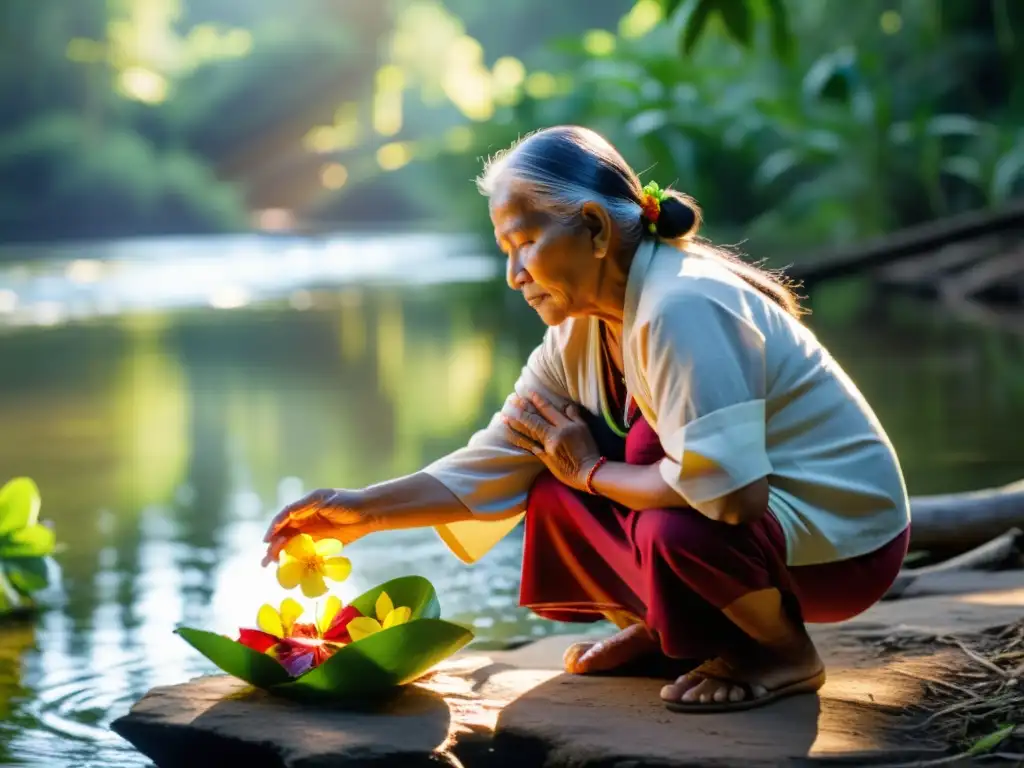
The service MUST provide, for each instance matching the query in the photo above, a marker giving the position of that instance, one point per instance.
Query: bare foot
(722, 681)
(603, 656)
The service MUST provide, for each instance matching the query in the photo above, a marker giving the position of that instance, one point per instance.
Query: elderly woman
(692, 464)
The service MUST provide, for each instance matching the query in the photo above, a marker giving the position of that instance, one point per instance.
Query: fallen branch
(1000, 551)
(951, 523)
(908, 243)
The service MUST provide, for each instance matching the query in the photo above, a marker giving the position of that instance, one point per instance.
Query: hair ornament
(650, 204)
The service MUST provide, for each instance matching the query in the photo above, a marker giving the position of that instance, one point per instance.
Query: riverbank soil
(911, 681)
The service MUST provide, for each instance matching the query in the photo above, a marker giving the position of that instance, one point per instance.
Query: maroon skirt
(587, 558)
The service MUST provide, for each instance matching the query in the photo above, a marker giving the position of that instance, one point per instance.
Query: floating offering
(385, 638)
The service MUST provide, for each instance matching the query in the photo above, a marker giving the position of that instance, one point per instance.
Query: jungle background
(242, 257)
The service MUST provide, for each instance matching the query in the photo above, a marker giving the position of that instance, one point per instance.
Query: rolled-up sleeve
(492, 477)
(705, 369)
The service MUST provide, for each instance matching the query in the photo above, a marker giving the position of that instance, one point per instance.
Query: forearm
(414, 501)
(642, 487)
(635, 486)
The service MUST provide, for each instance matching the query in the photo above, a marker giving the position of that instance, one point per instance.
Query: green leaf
(736, 16)
(35, 541)
(830, 77)
(990, 742)
(413, 591)
(9, 597)
(253, 667)
(669, 7)
(1008, 174)
(19, 505)
(27, 574)
(693, 18)
(777, 164)
(380, 662)
(782, 38)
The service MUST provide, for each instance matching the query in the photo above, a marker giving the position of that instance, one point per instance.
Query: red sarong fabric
(587, 558)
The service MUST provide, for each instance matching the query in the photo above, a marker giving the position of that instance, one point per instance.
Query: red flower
(300, 646)
(338, 630)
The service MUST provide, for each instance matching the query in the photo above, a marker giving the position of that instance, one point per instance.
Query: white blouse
(736, 389)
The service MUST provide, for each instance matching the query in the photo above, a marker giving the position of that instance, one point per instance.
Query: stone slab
(516, 708)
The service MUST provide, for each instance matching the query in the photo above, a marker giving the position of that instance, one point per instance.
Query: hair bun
(680, 216)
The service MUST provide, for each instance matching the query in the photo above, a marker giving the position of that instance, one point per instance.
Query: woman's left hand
(561, 440)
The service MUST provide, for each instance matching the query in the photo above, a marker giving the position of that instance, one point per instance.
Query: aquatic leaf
(27, 574)
(380, 662)
(253, 667)
(991, 741)
(19, 505)
(9, 597)
(34, 541)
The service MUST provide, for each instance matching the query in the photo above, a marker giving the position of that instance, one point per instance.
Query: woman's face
(553, 265)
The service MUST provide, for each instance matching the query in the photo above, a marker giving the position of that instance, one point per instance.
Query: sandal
(808, 685)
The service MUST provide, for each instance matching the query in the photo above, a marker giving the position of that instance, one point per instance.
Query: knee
(680, 530)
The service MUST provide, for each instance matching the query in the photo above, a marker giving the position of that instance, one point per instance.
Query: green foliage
(795, 125)
(368, 667)
(25, 544)
(63, 176)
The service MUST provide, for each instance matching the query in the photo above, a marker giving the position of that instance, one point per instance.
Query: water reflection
(163, 441)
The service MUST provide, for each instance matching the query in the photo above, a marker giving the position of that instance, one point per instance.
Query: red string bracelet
(590, 475)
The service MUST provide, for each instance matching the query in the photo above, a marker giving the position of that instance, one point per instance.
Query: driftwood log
(911, 243)
(953, 523)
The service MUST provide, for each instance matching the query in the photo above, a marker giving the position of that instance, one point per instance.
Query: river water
(168, 396)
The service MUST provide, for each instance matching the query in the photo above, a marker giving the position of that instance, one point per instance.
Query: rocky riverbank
(516, 707)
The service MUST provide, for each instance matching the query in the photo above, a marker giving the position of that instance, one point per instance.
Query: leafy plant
(370, 666)
(25, 545)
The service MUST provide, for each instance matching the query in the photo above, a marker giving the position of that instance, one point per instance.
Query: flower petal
(290, 573)
(384, 606)
(338, 631)
(336, 568)
(291, 610)
(327, 613)
(398, 616)
(296, 662)
(269, 621)
(301, 547)
(363, 626)
(328, 547)
(312, 583)
(258, 641)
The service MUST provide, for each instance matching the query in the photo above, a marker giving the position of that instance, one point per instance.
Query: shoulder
(691, 307)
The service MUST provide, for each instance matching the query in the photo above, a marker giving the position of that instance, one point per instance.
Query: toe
(675, 691)
(701, 692)
(573, 657)
(736, 693)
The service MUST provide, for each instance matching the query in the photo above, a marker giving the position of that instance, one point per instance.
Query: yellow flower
(387, 616)
(307, 563)
(276, 622)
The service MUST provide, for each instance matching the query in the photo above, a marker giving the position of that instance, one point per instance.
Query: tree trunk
(953, 523)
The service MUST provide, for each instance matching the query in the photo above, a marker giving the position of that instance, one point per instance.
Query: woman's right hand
(327, 513)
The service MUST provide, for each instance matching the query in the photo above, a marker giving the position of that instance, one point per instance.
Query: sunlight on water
(219, 379)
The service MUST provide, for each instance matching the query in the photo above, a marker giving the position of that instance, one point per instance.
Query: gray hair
(560, 169)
